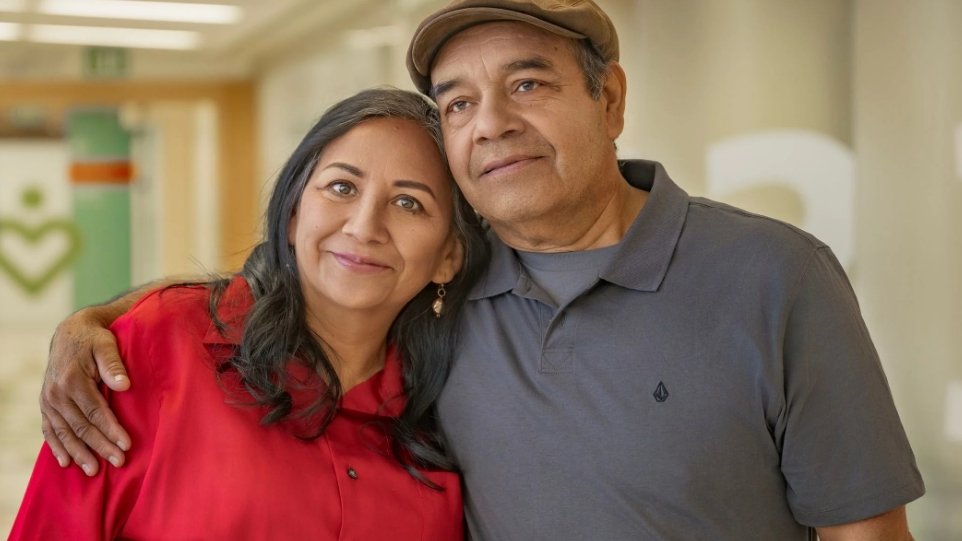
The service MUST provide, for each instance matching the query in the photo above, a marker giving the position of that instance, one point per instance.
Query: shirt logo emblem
(661, 392)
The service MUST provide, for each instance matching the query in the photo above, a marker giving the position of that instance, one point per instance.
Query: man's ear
(451, 261)
(613, 95)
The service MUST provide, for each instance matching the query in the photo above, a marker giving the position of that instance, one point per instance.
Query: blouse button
(352, 473)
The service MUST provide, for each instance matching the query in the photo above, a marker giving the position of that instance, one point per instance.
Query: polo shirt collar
(642, 259)
(380, 395)
(503, 272)
(644, 253)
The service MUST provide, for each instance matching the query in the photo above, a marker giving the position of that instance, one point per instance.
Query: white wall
(27, 320)
(907, 112)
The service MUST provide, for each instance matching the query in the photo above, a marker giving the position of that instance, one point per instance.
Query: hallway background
(122, 162)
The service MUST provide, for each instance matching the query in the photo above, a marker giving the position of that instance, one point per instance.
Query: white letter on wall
(813, 166)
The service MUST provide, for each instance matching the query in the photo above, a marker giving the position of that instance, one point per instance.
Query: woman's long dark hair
(275, 332)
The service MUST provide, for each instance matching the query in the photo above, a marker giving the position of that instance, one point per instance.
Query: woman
(296, 398)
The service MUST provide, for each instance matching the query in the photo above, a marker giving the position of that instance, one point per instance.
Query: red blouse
(201, 467)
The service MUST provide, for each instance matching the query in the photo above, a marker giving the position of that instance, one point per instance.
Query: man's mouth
(507, 164)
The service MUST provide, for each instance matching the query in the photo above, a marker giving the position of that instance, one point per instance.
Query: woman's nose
(366, 222)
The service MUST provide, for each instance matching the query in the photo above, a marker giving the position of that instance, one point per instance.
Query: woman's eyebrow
(346, 167)
(413, 184)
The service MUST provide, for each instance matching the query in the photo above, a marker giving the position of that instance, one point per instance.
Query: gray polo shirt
(716, 383)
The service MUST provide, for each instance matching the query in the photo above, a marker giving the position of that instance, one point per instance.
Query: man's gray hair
(592, 64)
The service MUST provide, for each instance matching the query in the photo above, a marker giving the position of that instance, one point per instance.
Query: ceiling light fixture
(11, 5)
(9, 31)
(114, 37)
(144, 10)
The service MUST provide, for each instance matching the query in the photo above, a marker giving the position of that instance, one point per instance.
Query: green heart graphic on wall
(37, 282)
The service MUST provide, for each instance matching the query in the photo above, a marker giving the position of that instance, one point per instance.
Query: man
(637, 363)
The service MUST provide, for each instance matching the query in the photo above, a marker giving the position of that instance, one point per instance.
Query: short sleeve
(63, 503)
(60, 503)
(845, 455)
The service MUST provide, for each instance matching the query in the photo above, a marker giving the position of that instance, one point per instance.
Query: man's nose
(496, 118)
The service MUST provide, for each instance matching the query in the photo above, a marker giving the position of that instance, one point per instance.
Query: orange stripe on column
(101, 173)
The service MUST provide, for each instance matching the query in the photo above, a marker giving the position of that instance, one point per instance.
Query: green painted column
(100, 174)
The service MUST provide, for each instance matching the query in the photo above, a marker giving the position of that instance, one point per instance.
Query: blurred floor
(23, 354)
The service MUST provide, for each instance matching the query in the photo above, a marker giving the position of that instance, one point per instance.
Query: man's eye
(341, 188)
(408, 203)
(527, 86)
(457, 106)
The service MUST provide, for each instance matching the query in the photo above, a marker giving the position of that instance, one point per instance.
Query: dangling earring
(438, 305)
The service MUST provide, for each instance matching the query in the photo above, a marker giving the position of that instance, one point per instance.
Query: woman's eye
(341, 188)
(457, 106)
(408, 203)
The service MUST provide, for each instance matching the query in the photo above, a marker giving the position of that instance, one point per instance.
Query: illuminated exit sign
(105, 62)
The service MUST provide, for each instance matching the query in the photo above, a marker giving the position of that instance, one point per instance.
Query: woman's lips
(358, 263)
